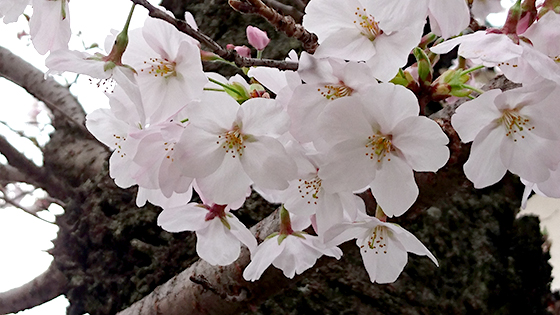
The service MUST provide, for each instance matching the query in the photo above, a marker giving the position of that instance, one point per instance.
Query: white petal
(484, 166)
(472, 116)
(263, 117)
(241, 232)
(264, 255)
(266, 162)
(190, 217)
(216, 244)
(422, 142)
(228, 184)
(411, 243)
(394, 187)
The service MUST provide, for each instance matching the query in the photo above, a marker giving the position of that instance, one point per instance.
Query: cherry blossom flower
(227, 147)
(112, 127)
(377, 140)
(305, 196)
(96, 66)
(521, 62)
(384, 246)
(515, 130)
(168, 66)
(292, 252)
(326, 80)
(49, 25)
(219, 233)
(354, 32)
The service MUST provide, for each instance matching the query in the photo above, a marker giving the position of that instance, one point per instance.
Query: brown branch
(37, 176)
(57, 98)
(286, 9)
(206, 289)
(229, 55)
(286, 24)
(10, 174)
(44, 288)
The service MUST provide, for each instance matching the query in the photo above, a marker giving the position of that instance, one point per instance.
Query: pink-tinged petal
(262, 258)
(450, 16)
(392, 51)
(164, 38)
(126, 79)
(543, 64)
(347, 43)
(215, 113)
(530, 157)
(47, 27)
(198, 152)
(472, 116)
(484, 166)
(190, 217)
(103, 124)
(544, 116)
(348, 167)
(422, 142)
(228, 184)
(263, 117)
(266, 162)
(392, 15)
(411, 243)
(358, 76)
(340, 14)
(388, 104)
(216, 244)
(526, 96)
(394, 187)
(240, 231)
(343, 119)
(74, 61)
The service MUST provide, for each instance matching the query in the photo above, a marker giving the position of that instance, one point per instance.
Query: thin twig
(229, 55)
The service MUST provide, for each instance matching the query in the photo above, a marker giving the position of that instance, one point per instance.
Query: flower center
(334, 91)
(310, 189)
(515, 124)
(367, 24)
(232, 141)
(118, 148)
(377, 240)
(169, 147)
(380, 146)
(160, 67)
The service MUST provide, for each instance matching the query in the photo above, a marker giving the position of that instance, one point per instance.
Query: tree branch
(229, 55)
(44, 288)
(10, 174)
(37, 176)
(286, 24)
(56, 97)
(286, 9)
(206, 289)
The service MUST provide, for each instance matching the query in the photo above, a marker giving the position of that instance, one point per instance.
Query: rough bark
(114, 254)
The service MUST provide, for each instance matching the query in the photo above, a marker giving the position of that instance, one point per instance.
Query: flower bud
(257, 38)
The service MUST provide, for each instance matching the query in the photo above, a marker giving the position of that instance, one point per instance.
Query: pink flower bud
(257, 38)
(243, 51)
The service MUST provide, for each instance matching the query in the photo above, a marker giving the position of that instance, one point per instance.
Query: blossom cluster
(348, 120)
